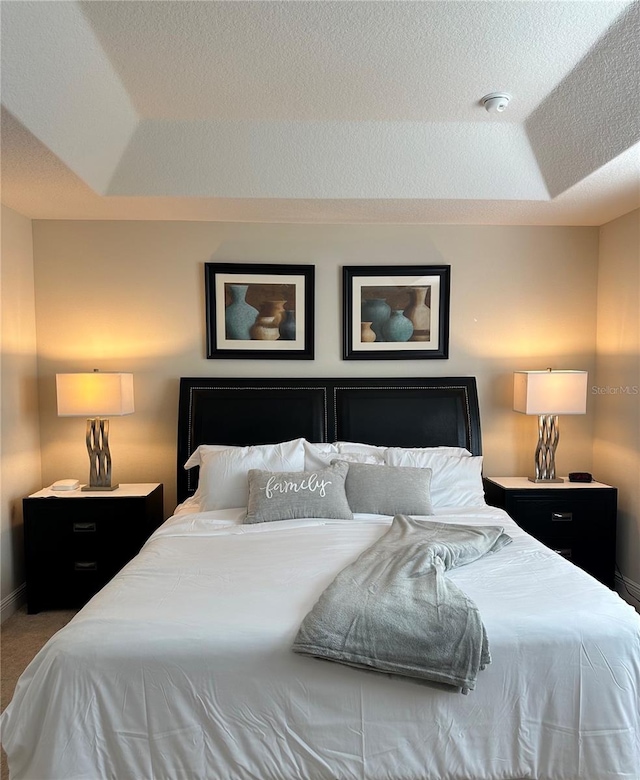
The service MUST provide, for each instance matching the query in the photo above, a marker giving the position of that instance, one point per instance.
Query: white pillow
(455, 480)
(372, 452)
(223, 480)
(320, 455)
(195, 459)
(457, 451)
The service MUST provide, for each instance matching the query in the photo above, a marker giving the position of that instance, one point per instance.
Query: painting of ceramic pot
(397, 327)
(260, 310)
(419, 313)
(267, 324)
(366, 334)
(278, 310)
(408, 307)
(376, 311)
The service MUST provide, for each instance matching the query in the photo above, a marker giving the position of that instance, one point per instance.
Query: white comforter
(181, 668)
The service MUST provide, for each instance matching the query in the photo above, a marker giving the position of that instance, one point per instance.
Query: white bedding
(181, 668)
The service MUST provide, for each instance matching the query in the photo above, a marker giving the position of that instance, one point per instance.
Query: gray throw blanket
(393, 609)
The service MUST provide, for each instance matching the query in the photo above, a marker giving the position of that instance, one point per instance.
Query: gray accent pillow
(389, 490)
(286, 495)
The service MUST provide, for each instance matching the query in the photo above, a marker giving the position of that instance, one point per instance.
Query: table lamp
(96, 395)
(548, 394)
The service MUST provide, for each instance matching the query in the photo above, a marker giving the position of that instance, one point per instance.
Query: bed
(182, 666)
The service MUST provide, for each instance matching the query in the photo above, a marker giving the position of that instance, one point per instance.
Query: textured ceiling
(314, 111)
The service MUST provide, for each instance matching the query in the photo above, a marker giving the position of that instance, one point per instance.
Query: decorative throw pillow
(388, 490)
(289, 495)
(223, 473)
(455, 481)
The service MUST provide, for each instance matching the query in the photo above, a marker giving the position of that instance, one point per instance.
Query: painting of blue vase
(397, 327)
(239, 315)
(288, 326)
(407, 306)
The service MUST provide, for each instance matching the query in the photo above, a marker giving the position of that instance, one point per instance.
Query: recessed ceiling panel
(318, 111)
(322, 60)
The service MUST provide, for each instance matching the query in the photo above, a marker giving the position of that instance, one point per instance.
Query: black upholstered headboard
(419, 412)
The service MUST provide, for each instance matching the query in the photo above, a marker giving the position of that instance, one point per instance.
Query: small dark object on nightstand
(580, 476)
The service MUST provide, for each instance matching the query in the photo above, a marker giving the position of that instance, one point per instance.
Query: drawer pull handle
(565, 552)
(562, 517)
(85, 565)
(83, 528)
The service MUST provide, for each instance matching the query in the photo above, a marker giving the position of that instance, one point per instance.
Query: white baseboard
(626, 586)
(12, 602)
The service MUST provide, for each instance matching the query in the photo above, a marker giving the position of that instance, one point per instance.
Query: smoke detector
(496, 102)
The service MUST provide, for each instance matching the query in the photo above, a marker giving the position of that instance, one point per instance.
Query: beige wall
(129, 296)
(20, 472)
(616, 390)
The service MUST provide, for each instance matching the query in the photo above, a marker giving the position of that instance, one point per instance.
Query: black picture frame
(271, 290)
(384, 294)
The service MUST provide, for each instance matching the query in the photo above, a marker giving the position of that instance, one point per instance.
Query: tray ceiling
(313, 111)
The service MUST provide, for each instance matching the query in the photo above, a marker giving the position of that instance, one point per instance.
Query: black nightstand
(75, 542)
(578, 520)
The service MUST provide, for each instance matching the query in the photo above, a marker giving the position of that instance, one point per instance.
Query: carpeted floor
(21, 636)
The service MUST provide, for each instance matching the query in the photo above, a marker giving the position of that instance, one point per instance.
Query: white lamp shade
(550, 392)
(94, 395)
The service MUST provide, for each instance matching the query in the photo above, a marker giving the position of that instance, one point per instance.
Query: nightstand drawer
(87, 562)
(84, 525)
(554, 517)
(72, 586)
(75, 514)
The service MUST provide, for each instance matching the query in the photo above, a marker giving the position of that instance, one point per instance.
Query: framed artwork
(259, 310)
(395, 312)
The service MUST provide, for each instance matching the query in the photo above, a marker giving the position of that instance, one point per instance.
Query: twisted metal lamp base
(99, 455)
(548, 436)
